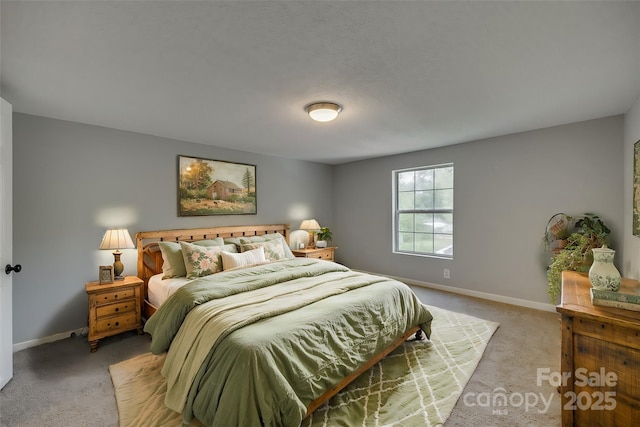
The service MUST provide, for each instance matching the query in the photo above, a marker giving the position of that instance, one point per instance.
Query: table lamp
(117, 238)
(310, 225)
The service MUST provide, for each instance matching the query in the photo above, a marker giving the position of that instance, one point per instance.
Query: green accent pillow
(202, 260)
(273, 237)
(233, 241)
(272, 250)
(218, 241)
(173, 260)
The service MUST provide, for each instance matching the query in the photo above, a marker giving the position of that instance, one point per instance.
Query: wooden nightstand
(113, 308)
(320, 253)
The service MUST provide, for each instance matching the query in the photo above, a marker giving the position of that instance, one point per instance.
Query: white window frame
(397, 212)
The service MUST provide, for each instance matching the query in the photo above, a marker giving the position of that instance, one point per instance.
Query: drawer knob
(117, 309)
(115, 296)
(117, 323)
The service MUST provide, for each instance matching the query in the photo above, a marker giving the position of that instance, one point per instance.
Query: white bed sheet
(159, 289)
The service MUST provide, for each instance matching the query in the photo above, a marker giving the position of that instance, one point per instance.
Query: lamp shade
(323, 111)
(310, 224)
(117, 238)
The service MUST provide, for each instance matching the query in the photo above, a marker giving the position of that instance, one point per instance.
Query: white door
(6, 242)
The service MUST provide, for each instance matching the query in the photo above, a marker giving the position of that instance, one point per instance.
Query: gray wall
(73, 181)
(506, 189)
(631, 263)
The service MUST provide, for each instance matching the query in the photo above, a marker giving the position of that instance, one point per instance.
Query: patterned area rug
(418, 384)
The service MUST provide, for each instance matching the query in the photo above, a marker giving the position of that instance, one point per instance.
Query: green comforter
(255, 346)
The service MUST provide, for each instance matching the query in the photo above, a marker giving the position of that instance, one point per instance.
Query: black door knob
(8, 269)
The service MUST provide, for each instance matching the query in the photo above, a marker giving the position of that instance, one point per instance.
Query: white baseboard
(44, 340)
(483, 295)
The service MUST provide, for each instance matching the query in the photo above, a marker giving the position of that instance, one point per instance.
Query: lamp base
(118, 267)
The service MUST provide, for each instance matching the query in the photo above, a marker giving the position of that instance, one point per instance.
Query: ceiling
(410, 75)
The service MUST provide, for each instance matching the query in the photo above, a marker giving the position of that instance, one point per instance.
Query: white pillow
(231, 260)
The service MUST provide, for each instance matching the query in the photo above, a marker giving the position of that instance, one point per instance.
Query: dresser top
(576, 301)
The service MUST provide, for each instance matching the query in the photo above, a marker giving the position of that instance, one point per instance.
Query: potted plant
(590, 233)
(324, 236)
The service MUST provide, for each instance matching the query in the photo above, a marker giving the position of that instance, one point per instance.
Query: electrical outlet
(447, 273)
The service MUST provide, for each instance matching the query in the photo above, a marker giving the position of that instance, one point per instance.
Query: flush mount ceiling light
(323, 111)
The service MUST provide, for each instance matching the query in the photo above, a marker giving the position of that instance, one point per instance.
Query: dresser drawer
(125, 321)
(115, 308)
(113, 296)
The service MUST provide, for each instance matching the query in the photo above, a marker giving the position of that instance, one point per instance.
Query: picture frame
(215, 187)
(636, 189)
(105, 274)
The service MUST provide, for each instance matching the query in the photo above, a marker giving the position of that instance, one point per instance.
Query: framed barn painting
(636, 189)
(215, 187)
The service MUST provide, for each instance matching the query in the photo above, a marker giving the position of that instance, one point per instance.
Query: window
(423, 211)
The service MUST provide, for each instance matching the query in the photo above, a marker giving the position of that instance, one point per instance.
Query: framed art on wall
(215, 187)
(636, 189)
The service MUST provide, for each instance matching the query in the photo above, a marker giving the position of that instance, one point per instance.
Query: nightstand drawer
(125, 321)
(113, 296)
(317, 253)
(328, 255)
(116, 308)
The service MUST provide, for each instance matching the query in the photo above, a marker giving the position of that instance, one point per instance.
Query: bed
(265, 343)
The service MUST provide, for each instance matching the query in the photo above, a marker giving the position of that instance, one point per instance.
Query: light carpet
(418, 384)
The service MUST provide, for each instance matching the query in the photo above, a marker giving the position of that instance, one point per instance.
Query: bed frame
(150, 263)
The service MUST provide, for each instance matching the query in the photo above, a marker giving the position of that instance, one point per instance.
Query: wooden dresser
(113, 308)
(601, 352)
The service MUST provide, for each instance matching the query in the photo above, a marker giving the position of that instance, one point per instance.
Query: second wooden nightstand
(320, 253)
(113, 308)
